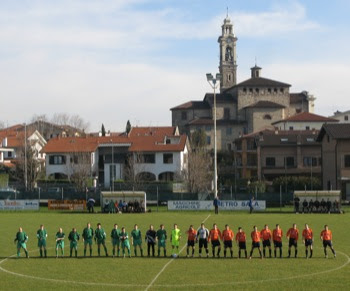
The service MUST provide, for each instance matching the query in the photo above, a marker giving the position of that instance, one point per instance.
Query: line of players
(202, 236)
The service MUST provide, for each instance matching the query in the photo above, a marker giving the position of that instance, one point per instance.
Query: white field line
(168, 263)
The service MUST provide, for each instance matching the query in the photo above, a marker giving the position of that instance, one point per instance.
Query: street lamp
(214, 83)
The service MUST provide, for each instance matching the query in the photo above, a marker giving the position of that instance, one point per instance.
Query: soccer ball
(174, 256)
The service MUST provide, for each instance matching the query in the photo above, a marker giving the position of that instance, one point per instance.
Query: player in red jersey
(214, 237)
(308, 238)
(266, 236)
(326, 237)
(227, 237)
(293, 236)
(191, 237)
(256, 236)
(241, 242)
(277, 235)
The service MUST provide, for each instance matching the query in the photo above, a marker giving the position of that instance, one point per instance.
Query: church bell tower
(228, 59)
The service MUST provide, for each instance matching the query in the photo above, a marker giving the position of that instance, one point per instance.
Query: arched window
(267, 117)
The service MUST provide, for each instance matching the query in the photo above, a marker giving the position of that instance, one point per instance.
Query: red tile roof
(140, 139)
(307, 116)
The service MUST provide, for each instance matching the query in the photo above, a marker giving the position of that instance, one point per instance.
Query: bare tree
(198, 175)
(79, 167)
(133, 168)
(28, 167)
(2, 124)
(38, 117)
(75, 121)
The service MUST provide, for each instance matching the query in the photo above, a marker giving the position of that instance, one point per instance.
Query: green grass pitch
(166, 273)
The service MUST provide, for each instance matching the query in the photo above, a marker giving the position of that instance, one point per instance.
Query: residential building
(12, 144)
(268, 154)
(243, 107)
(335, 149)
(343, 117)
(303, 121)
(146, 153)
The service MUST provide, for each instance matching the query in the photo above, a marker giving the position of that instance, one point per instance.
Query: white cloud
(326, 81)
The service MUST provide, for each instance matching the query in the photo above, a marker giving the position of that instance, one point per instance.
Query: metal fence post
(157, 199)
(231, 192)
(62, 193)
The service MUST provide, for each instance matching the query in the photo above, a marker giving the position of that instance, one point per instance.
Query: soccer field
(167, 273)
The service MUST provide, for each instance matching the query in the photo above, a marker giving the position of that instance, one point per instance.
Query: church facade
(241, 108)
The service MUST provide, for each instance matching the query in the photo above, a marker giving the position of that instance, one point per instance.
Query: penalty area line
(168, 263)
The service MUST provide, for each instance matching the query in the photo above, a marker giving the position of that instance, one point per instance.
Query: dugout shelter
(124, 196)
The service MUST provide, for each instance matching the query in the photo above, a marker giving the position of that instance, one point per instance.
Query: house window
(9, 154)
(57, 160)
(229, 147)
(147, 159)
(309, 161)
(281, 90)
(270, 162)
(298, 110)
(275, 90)
(267, 117)
(244, 90)
(289, 162)
(347, 161)
(229, 77)
(307, 127)
(291, 128)
(183, 115)
(167, 158)
(208, 140)
(346, 117)
(250, 90)
(207, 128)
(257, 90)
(269, 90)
(168, 141)
(226, 113)
(228, 130)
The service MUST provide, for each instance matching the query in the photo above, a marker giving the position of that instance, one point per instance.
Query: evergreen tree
(103, 130)
(128, 127)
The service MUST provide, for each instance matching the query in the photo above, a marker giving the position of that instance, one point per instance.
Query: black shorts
(308, 242)
(277, 244)
(255, 245)
(190, 243)
(242, 245)
(266, 243)
(203, 242)
(293, 242)
(327, 243)
(215, 243)
(228, 244)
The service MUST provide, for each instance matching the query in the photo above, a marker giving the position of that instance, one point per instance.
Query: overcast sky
(114, 60)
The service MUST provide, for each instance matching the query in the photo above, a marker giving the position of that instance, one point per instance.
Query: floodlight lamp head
(218, 77)
(209, 77)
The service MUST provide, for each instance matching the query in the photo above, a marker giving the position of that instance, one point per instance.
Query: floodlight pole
(214, 83)
(25, 158)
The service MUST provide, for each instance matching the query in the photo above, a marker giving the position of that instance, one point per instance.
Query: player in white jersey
(202, 237)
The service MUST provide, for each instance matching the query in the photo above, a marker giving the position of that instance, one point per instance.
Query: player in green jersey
(136, 238)
(60, 241)
(124, 238)
(175, 240)
(41, 234)
(73, 238)
(100, 238)
(115, 236)
(88, 234)
(21, 239)
(161, 238)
